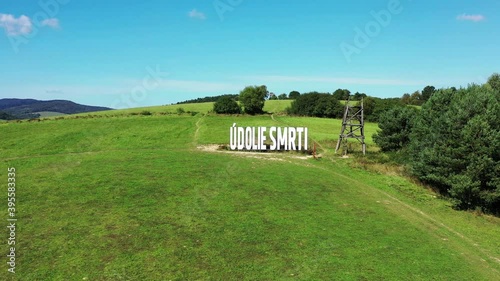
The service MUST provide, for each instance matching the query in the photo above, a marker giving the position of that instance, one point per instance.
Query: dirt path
(197, 132)
(471, 249)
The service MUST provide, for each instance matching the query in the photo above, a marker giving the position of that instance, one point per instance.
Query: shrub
(145, 112)
(180, 110)
(226, 105)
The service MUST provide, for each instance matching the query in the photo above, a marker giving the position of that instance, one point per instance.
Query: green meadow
(271, 106)
(126, 196)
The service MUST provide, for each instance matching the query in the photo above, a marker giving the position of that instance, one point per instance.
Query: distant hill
(8, 103)
(30, 108)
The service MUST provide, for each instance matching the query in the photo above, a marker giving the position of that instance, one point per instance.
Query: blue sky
(138, 53)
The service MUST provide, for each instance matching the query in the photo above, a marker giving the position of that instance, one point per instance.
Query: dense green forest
(452, 143)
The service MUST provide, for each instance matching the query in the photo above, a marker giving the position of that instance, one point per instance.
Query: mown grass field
(134, 198)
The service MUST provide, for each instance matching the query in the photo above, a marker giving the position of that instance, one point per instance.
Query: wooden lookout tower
(353, 126)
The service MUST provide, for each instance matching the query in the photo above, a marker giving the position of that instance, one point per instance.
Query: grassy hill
(271, 106)
(133, 197)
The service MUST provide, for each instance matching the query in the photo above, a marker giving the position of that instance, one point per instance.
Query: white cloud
(23, 25)
(194, 14)
(15, 26)
(474, 18)
(53, 22)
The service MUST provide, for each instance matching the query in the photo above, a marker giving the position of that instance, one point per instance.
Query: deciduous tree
(293, 95)
(427, 93)
(252, 98)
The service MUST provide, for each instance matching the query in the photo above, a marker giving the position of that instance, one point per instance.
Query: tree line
(209, 99)
(314, 104)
